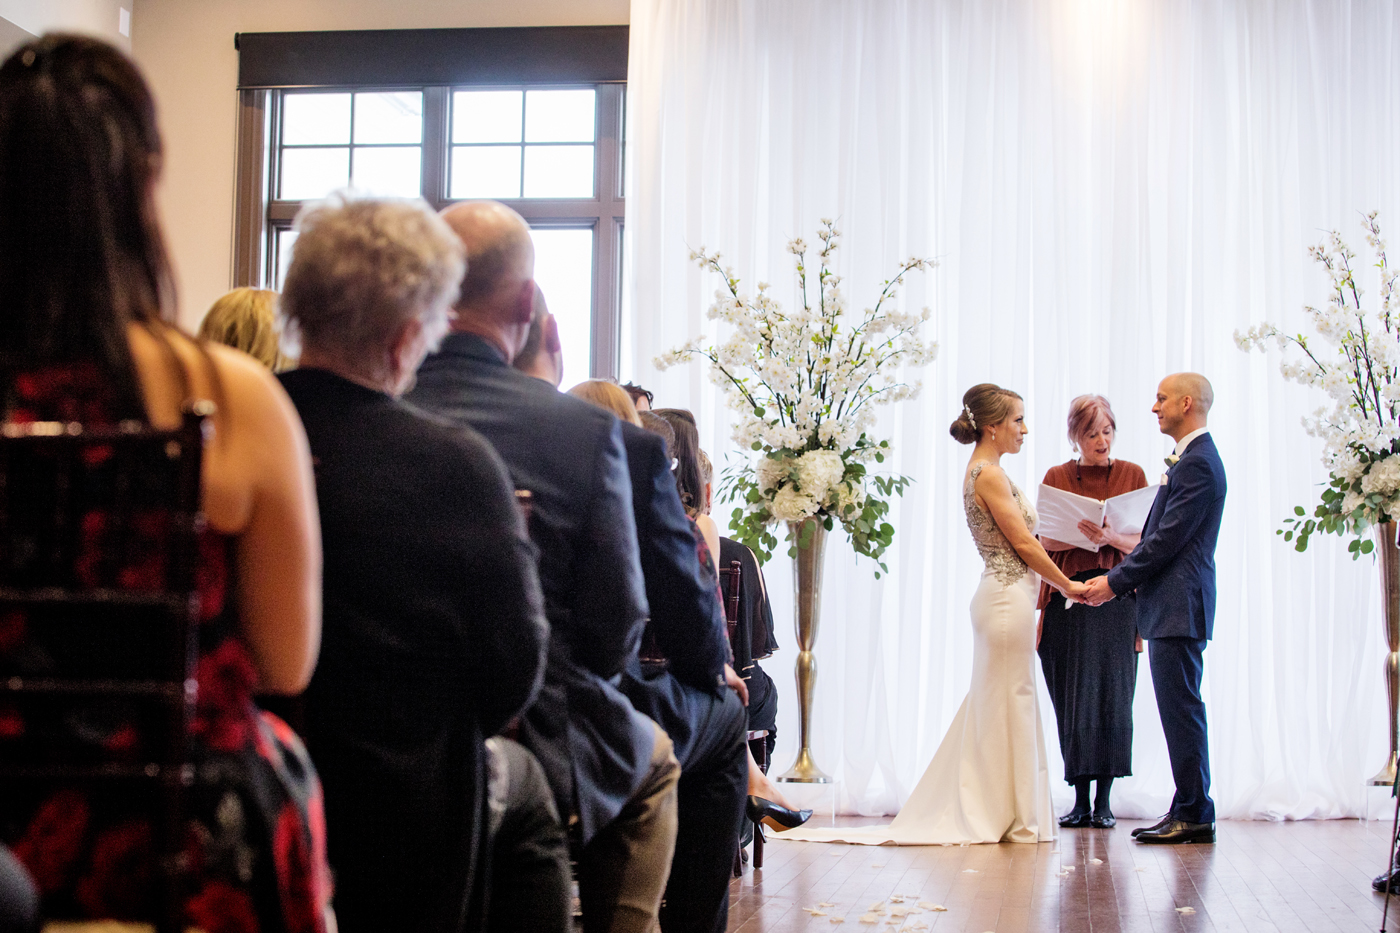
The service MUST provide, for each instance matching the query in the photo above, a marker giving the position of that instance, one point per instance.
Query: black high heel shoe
(775, 816)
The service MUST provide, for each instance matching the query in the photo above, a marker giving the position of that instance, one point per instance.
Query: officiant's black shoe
(775, 816)
(1073, 820)
(1103, 821)
(1178, 833)
(1154, 827)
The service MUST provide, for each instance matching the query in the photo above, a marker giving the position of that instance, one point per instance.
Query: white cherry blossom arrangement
(1361, 430)
(804, 384)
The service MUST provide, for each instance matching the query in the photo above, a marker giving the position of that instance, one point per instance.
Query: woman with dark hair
(88, 336)
(1089, 655)
(689, 480)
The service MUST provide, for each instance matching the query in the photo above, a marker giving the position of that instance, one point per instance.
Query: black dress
(1090, 669)
(1089, 654)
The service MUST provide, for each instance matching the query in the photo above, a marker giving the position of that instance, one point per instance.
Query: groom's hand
(1097, 591)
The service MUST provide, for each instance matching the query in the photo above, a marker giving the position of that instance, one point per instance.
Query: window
(540, 133)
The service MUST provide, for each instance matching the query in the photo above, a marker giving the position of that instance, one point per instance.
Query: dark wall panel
(418, 57)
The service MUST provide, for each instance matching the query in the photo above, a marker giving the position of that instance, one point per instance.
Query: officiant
(1090, 654)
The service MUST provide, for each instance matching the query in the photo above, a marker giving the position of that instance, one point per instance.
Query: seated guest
(434, 627)
(686, 692)
(608, 396)
(541, 355)
(89, 336)
(611, 768)
(641, 398)
(753, 640)
(246, 320)
(687, 453)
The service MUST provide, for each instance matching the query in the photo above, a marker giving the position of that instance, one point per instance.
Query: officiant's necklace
(1079, 462)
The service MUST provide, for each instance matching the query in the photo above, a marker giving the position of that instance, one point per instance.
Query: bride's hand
(1075, 591)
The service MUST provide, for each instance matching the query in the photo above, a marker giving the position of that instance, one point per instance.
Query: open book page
(1061, 512)
(1126, 514)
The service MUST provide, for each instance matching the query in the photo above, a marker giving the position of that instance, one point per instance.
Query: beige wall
(186, 50)
(98, 17)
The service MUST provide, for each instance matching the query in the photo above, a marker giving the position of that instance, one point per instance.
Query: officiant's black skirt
(1091, 672)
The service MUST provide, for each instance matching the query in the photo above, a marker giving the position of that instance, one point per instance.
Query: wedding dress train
(988, 781)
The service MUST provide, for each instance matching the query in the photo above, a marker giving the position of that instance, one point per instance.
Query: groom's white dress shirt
(1185, 442)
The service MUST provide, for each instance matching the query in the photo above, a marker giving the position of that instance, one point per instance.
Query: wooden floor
(1305, 876)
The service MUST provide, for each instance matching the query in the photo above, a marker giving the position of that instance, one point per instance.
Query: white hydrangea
(1383, 477)
(789, 505)
(1351, 501)
(770, 472)
(843, 495)
(1348, 465)
(818, 471)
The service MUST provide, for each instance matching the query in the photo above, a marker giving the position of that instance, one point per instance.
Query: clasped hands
(1094, 593)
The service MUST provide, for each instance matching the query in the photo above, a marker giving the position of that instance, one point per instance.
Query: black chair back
(99, 540)
(730, 579)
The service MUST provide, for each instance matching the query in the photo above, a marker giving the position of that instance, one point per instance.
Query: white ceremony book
(1061, 512)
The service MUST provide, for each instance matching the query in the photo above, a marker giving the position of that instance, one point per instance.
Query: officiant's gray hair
(1085, 412)
(984, 406)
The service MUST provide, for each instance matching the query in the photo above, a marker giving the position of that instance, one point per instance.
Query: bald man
(1172, 571)
(612, 770)
(541, 355)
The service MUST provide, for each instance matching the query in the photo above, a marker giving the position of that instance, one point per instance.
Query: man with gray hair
(434, 631)
(611, 768)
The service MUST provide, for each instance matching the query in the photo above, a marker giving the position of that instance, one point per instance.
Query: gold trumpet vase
(1388, 556)
(809, 536)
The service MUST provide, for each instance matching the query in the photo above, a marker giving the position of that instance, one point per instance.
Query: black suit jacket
(595, 748)
(1173, 567)
(433, 636)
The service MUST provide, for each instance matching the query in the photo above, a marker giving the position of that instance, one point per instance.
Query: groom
(1173, 571)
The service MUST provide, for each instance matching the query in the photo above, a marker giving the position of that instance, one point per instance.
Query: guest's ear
(406, 352)
(525, 303)
(550, 334)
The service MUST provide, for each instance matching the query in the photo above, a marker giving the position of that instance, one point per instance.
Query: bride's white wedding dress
(988, 781)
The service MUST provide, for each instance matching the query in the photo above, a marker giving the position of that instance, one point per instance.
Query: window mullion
(436, 138)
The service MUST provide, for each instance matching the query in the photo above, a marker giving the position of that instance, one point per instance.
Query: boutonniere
(1172, 461)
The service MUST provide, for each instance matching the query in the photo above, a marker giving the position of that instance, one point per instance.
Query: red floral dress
(255, 822)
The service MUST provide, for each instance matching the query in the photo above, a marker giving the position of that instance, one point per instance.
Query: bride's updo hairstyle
(983, 406)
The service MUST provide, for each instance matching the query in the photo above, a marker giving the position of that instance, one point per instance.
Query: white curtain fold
(1112, 187)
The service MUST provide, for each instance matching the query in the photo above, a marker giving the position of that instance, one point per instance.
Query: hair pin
(970, 420)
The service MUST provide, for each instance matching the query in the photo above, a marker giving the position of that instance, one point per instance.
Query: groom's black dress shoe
(775, 816)
(1178, 833)
(1154, 827)
(1074, 820)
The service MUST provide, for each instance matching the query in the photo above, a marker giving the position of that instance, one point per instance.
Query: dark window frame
(469, 59)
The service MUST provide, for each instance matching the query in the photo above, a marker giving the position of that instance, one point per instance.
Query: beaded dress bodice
(1000, 557)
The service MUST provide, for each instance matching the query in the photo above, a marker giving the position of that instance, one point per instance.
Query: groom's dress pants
(1176, 678)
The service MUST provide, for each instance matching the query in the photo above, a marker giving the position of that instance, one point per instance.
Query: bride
(988, 781)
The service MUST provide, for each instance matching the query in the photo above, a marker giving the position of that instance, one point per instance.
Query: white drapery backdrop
(1112, 187)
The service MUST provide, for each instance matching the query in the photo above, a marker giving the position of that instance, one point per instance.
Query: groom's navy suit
(1173, 571)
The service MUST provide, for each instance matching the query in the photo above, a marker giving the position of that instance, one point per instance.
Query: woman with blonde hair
(246, 320)
(608, 396)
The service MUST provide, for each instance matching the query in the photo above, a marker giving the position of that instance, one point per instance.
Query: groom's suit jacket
(1173, 568)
